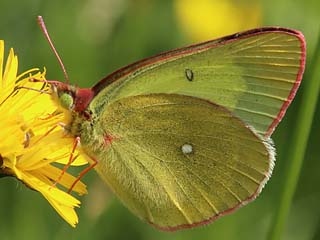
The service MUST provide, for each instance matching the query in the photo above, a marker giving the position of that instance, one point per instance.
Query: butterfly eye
(66, 100)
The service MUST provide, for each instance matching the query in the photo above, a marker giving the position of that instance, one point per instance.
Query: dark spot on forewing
(189, 74)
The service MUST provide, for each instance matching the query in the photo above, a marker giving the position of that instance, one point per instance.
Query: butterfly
(183, 137)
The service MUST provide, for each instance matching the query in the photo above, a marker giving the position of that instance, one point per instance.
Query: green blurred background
(95, 38)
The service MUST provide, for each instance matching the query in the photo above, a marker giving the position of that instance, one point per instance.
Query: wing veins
(174, 200)
(195, 135)
(238, 171)
(246, 45)
(221, 183)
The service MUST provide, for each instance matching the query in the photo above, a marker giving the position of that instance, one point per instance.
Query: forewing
(178, 161)
(254, 74)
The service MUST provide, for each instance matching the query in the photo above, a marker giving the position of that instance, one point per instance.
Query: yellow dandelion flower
(207, 19)
(31, 148)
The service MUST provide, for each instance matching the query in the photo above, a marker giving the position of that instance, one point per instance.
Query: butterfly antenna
(46, 34)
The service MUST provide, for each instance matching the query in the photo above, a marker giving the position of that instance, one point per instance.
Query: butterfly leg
(108, 139)
(71, 160)
(83, 172)
(50, 115)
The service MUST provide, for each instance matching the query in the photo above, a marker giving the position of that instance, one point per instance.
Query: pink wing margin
(296, 85)
(273, 125)
(122, 72)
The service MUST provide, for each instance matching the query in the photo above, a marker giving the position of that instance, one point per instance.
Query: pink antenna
(46, 34)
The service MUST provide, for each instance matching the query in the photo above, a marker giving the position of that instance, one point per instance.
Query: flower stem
(298, 146)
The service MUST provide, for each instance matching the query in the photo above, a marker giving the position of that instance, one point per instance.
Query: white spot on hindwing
(186, 148)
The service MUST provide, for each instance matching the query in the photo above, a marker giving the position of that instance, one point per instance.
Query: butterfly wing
(179, 161)
(254, 74)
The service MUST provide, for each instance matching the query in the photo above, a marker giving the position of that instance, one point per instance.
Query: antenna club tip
(40, 20)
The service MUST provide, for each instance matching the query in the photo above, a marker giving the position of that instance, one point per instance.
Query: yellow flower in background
(207, 19)
(28, 148)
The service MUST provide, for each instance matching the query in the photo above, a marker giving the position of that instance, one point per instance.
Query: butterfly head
(71, 98)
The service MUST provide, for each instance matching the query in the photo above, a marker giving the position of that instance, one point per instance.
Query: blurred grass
(298, 144)
(96, 37)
